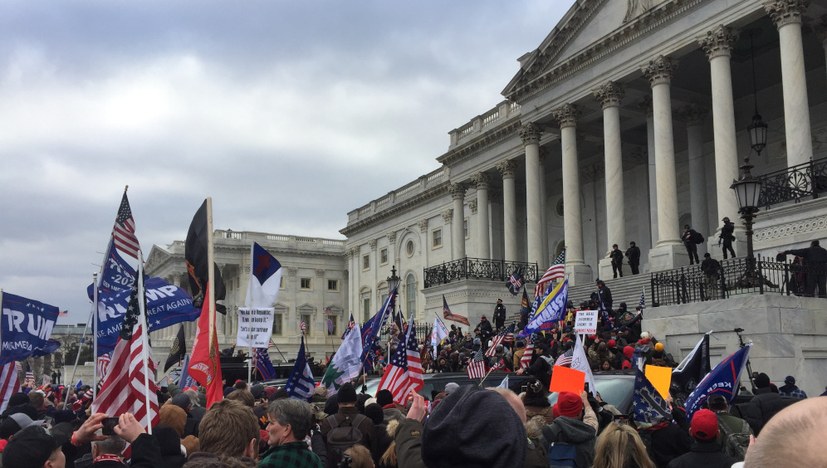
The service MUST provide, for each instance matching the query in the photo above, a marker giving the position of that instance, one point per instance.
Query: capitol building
(628, 121)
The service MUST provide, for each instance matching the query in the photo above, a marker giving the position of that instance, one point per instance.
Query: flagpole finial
(125, 188)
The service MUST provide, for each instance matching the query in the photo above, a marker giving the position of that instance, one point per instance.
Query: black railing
(690, 284)
(478, 268)
(806, 180)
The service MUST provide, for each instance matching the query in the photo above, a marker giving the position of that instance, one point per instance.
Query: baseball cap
(704, 425)
(31, 447)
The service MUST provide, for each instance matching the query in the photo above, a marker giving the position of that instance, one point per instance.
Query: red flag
(205, 364)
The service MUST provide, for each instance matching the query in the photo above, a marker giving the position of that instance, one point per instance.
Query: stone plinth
(667, 257)
(789, 333)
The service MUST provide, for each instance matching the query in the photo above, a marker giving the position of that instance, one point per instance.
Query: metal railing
(478, 268)
(689, 284)
(794, 183)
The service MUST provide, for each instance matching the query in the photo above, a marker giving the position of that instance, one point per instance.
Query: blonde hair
(360, 457)
(619, 446)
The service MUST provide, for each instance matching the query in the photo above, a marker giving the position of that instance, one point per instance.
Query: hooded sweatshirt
(575, 432)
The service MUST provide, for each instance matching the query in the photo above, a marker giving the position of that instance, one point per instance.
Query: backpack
(341, 438)
(561, 454)
(735, 444)
(698, 238)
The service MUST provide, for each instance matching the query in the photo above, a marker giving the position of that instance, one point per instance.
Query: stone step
(626, 289)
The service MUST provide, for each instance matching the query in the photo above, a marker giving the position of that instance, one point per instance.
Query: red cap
(704, 425)
(611, 343)
(568, 404)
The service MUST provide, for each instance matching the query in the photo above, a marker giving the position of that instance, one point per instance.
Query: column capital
(609, 94)
(457, 190)
(480, 180)
(507, 168)
(473, 205)
(718, 42)
(448, 215)
(693, 114)
(784, 12)
(530, 133)
(566, 115)
(392, 237)
(372, 244)
(659, 70)
(423, 225)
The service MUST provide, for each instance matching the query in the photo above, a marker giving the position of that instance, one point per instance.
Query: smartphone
(109, 426)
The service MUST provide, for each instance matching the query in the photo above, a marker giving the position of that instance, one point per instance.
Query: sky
(289, 114)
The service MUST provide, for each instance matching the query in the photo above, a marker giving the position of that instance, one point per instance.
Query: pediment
(586, 24)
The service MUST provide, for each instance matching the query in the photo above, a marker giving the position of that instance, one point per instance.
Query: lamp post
(747, 192)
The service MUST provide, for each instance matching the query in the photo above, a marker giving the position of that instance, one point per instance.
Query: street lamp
(747, 192)
(393, 280)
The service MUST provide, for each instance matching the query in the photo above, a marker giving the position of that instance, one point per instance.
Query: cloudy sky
(288, 113)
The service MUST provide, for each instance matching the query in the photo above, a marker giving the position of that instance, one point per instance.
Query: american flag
(103, 366)
(642, 302)
(506, 336)
(8, 383)
(124, 230)
(262, 363)
(124, 390)
(525, 359)
(28, 381)
(557, 270)
(565, 358)
(349, 327)
(476, 366)
(404, 374)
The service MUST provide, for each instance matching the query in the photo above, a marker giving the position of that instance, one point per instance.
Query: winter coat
(703, 454)
(573, 432)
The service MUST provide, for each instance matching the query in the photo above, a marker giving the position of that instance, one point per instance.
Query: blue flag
(79, 384)
(371, 328)
(166, 304)
(722, 380)
(650, 407)
(26, 328)
(301, 383)
(263, 364)
(552, 309)
(184, 380)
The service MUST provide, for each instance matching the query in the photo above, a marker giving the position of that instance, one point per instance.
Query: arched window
(410, 294)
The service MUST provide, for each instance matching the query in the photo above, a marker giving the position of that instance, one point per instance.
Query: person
(107, 453)
(815, 264)
(764, 405)
(347, 415)
(727, 236)
(617, 261)
(690, 239)
(604, 297)
(619, 446)
(290, 421)
(790, 389)
(711, 269)
(633, 254)
(228, 430)
(499, 315)
(792, 438)
(358, 456)
(705, 450)
(486, 332)
(728, 425)
(572, 427)
(33, 447)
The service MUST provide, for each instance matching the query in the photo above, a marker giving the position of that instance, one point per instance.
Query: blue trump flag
(26, 328)
(166, 304)
(301, 383)
(552, 309)
(371, 328)
(722, 380)
(263, 364)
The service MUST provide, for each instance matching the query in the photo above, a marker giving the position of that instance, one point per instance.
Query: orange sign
(564, 379)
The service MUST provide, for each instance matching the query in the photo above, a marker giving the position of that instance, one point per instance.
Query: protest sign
(564, 379)
(254, 327)
(586, 322)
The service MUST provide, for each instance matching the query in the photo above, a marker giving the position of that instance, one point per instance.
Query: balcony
(478, 268)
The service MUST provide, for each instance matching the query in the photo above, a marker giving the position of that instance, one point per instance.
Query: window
(281, 282)
(278, 324)
(305, 283)
(306, 320)
(332, 285)
(409, 248)
(365, 262)
(365, 307)
(436, 238)
(410, 294)
(332, 325)
(465, 227)
(383, 256)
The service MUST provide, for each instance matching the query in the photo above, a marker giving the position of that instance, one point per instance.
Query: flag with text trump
(26, 328)
(722, 380)
(552, 309)
(404, 374)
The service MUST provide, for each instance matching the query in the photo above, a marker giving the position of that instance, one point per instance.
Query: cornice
(536, 79)
(487, 139)
(391, 211)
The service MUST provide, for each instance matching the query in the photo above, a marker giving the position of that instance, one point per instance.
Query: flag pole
(77, 357)
(210, 278)
(249, 310)
(1, 317)
(144, 338)
(95, 335)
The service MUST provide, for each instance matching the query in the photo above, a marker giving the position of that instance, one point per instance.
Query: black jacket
(703, 454)
(616, 256)
(666, 443)
(727, 232)
(634, 255)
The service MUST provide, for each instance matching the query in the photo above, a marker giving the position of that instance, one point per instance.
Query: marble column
(786, 14)
(665, 253)
(695, 117)
(646, 106)
(718, 46)
(457, 223)
(530, 135)
(610, 95)
(566, 117)
(507, 169)
(480, 180)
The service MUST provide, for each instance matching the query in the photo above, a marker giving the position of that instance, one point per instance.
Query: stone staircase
(626, 289)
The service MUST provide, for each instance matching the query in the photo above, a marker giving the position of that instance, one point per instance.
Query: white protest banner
(586, 322)
(254, 327)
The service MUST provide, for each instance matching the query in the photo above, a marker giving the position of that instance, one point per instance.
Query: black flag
(178, 349)
(195, 253)
(693, 368)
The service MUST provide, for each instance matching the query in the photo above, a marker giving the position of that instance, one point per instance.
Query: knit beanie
(473, 427)
(568, 404)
